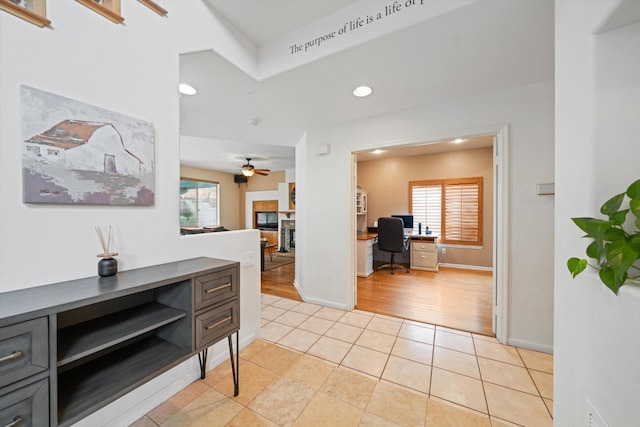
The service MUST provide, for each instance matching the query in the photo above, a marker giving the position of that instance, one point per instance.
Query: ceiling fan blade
(263, 172)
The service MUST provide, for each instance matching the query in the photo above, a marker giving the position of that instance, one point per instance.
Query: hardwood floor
(454, 298)
(279, 282)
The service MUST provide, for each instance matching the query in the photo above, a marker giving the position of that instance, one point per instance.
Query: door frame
(500, 315)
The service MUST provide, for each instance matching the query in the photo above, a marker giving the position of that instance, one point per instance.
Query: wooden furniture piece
(265, 206)
(271, 237)
(424, 252)
(70, 348)
(265, 246)
(269, 247)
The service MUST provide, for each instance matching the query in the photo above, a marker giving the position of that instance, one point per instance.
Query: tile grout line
(431, 365)
(534, 383)
(484, 391)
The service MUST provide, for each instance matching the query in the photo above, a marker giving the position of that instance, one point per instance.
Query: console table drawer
(24, 350)
(217, 323)
(213, 288)
(25, 406)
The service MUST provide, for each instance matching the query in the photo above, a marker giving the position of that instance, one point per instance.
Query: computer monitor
(407, 220)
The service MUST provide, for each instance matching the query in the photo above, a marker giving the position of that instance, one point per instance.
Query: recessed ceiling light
(458, 140)
(378, 151)
(186, 89)
(361, 91)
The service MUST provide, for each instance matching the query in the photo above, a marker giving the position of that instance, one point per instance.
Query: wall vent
(594, 419)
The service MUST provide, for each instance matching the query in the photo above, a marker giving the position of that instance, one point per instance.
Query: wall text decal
(355, 24)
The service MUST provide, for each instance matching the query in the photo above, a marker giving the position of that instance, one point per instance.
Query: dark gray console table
(70, 348)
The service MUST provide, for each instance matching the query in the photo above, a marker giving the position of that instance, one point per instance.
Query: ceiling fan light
(247, 172)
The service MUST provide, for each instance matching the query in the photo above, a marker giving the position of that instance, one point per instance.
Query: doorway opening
(472, 280)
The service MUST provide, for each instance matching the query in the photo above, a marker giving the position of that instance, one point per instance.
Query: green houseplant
(615, 245)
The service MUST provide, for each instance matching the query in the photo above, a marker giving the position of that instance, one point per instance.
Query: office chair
(391, 239)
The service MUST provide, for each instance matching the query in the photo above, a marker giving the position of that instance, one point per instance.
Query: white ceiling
(486, 46)
(284, 16)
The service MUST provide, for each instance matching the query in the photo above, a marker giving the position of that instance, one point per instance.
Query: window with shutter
(451, 208)
(425, 206)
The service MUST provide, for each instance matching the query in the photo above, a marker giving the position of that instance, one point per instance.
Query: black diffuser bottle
(107, 267)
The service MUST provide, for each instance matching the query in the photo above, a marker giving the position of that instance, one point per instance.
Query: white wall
(131, 69)
(327, 240)
(597, 91)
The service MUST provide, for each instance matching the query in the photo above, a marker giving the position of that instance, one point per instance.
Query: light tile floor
(318, 366)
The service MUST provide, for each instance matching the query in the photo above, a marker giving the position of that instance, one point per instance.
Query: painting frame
(78, 153)
(110, 9)
(292, 196)
(33, 11)
(155, 7)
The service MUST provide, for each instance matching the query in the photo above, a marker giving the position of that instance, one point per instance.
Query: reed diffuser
(108, 265)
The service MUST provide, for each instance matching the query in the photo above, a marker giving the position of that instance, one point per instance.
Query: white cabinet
(364, 266)
(424, 253)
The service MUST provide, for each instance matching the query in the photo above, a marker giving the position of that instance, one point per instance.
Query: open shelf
(87, 338)
(83, 389)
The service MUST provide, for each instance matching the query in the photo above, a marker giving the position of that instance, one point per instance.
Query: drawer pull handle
(16, 422)
(218, 323)
(15, 355)
(209, 291)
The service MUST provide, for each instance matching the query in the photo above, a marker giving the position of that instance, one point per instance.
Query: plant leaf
(619, 217)
(609, 279)
(614, 234)
(612, 205)
(595, 228)
(634, 239)
(635, 207)
(595, 250)
(576, 266)
(634, 190)
(620, 256)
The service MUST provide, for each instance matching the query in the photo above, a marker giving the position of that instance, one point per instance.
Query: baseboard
(326, 303)
(466, 267)
(295, 285)
(544, 348)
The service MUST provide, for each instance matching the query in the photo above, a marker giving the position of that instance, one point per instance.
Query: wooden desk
(423, 252)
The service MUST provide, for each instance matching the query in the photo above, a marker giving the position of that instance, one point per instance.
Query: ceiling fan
(249, 170)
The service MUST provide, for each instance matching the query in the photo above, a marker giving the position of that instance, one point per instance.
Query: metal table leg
(235, 364)
(235, 367)
(202, 358)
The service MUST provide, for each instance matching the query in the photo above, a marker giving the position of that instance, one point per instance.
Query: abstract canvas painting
(83, 154)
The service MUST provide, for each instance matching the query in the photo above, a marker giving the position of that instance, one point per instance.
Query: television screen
(406, 219)
(267, 220)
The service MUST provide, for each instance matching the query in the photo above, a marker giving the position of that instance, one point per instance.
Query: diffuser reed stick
(105, 246)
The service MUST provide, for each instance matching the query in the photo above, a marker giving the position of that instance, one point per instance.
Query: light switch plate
(545, 189)
(249, 259)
